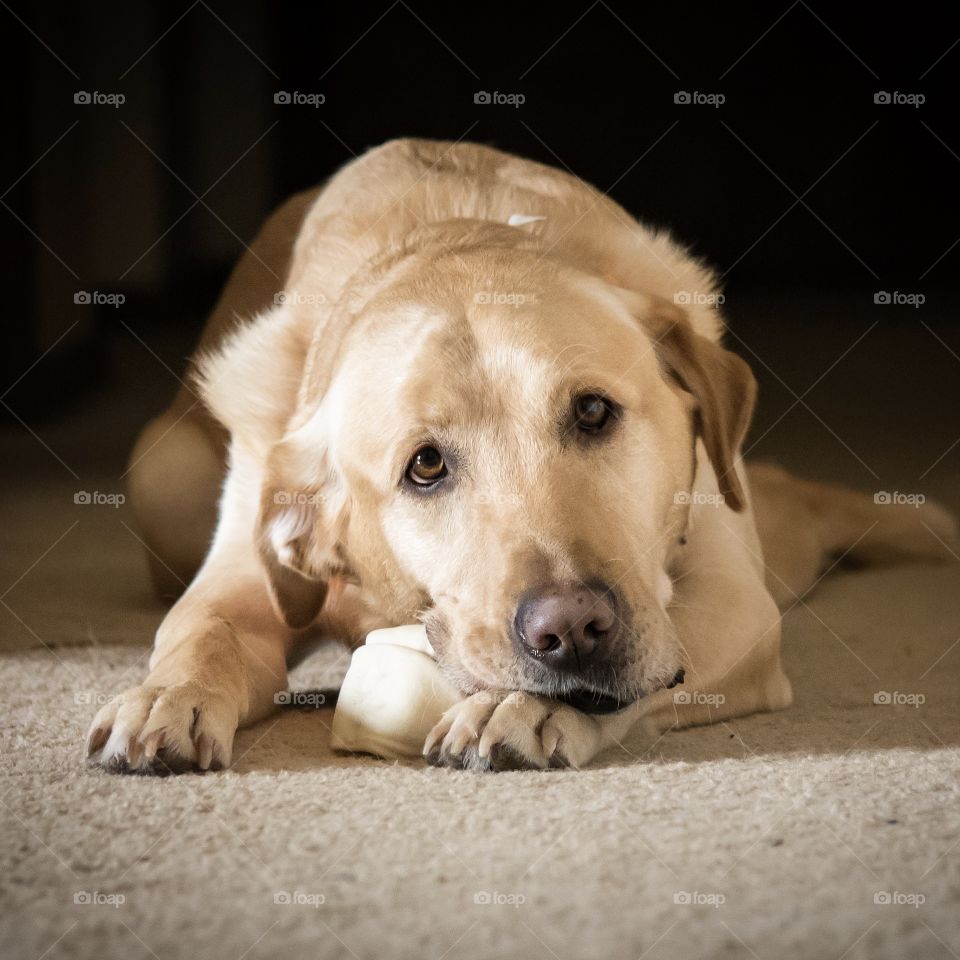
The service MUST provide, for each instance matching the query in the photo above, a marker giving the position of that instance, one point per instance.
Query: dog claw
(204, 752)
(550, 739)
(98, 737)
(430, 748)
(152, 744)
(153, 730)
(134, 751)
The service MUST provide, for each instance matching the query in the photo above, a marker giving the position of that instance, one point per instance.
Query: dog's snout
(567, 626)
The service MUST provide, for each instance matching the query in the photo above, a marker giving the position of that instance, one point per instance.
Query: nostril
(548, 642)
(601, 623)
(593, 630)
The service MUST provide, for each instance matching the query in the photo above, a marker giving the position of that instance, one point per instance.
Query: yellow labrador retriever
(458, 386)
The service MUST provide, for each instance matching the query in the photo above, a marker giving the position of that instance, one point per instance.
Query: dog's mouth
(595, 701)
(590, 701)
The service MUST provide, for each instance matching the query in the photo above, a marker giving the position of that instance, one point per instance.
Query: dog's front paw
(164, 729)
(497, 730)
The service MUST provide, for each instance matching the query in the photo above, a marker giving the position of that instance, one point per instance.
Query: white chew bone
(413, 636)
(392, 695)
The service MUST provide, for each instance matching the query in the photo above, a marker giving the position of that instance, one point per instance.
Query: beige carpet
(828, 831)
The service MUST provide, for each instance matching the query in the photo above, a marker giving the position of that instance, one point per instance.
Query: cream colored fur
(356, 309)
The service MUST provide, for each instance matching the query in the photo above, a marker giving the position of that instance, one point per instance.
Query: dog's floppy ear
(296, 537)
(721, 383)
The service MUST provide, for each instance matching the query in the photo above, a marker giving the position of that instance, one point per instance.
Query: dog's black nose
(567, 626)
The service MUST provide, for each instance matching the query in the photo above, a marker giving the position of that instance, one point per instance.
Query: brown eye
(426, 466)
(591, 412)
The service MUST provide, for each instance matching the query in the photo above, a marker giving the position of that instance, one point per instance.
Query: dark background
(809, 197)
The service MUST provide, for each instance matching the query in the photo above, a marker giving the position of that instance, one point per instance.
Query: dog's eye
(426, 467)
(591, 412)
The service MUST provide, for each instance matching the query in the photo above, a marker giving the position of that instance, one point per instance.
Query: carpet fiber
(829, 830)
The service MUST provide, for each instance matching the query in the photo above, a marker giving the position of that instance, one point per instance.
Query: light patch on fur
(664, 588)
(285, 530)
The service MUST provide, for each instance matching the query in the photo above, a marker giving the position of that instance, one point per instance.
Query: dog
(461, 387)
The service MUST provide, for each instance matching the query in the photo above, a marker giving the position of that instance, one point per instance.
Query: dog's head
(500, 445)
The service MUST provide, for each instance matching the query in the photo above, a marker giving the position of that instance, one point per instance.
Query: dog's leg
(804, 526)
(178, 464)
(728, 626)
(176, 473)
(218, 660)
(724, 609)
